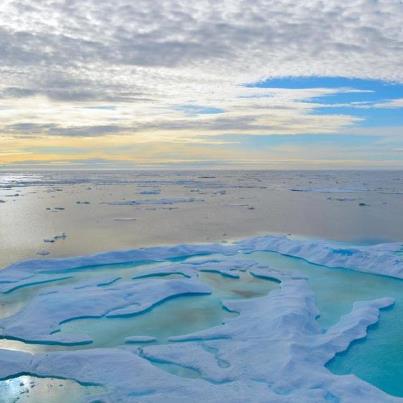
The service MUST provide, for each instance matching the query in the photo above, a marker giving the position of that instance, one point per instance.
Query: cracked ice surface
(273, 351)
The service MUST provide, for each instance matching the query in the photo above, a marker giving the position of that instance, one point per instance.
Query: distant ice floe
(152, 202)
(60, 237)
(345, 190)
(55, 209)
(330, 190)
(273, 351)
(150, 192)
(43, 253)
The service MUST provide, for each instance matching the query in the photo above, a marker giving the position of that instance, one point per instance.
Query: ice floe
(151, 202)
(272, 350)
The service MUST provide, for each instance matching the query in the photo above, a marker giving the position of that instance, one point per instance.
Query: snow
(273, 351)
(376, 259)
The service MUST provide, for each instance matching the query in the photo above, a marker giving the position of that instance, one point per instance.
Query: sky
(260, 84)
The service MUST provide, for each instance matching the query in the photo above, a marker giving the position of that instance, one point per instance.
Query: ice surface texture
(273, 351)
(376, 259)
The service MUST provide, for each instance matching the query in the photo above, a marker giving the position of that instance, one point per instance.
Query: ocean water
(57, 214)
(95, 209)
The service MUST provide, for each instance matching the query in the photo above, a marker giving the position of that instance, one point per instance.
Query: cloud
(174, 70)
(248, 111)
(395, 103)
(345, 38)
(54, 130)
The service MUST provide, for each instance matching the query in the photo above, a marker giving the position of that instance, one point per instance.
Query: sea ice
(274, 350)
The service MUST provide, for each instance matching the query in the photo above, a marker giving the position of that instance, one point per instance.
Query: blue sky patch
(364, 103)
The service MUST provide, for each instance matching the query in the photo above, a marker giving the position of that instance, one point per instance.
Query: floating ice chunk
(62, 236)
(48, 240)
(342, 199)
(125, 219)
(55, 209)
(43, 253)
(331, 190)
(154, 202)
(150, 192)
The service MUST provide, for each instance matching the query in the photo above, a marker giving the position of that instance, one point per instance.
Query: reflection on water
(30, 389)
(326, 198)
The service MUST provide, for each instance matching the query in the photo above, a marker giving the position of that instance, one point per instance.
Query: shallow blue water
(377, 359)
(176, 316)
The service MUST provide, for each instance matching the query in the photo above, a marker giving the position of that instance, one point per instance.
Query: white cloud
(64, 63)
(395, 103)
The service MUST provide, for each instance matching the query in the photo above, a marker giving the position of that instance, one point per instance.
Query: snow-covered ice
(270, 349)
